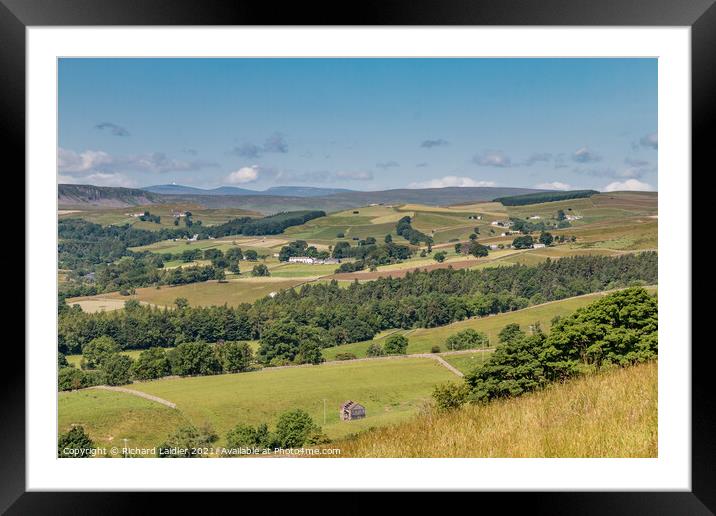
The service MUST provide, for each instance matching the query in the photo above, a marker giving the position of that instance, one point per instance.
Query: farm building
(301, 259)
(538, 246)
(312, 261)
(351, 410)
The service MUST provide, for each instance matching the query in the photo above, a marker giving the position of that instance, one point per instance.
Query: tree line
(538, 198)
(103, 364)
(405, 229)
(326, 314)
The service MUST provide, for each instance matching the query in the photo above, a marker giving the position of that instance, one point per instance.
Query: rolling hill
(274, 199)
(284, 191)
(104, 196)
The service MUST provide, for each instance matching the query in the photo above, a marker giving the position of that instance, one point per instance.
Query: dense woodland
(337, 315)
(408, 232)
(537, 198)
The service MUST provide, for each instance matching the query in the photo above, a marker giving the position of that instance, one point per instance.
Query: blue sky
(364, 124)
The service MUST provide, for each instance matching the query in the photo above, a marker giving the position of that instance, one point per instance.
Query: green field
(467, 362)
(233, 292)
(121, 216)
(262, 245)
(76, 359)
(108, 417)
(391, 391)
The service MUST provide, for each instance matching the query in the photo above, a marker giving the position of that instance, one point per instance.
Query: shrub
(396, 345)
(375, 350)
(309, 353)
(296, 428)
(451, 395)
(62, 361)
(188, 441)
(117, 369)
(346, 356)
(513, 369)
(151, 363)
(195, 358)
(260, 270)
(96, 351)
(70, 378)
(621, 328)
(75, 439)
(467, 339)
(234, 357)
(251, 437)
(435, 349)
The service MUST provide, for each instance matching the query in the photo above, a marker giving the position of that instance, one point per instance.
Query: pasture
(443, 224)
(231, 292)
(121, 216)
(391, 391)
(466, 362)
(108, 417)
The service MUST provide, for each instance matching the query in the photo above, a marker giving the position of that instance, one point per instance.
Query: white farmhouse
(538, 246)
(301, 259)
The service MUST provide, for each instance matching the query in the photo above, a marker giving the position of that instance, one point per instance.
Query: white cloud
(493, 159)
(243, 175)
(555, 185)
(71, 162)
(98, 179)
(447, 181)
(631, 185)
(88, 162)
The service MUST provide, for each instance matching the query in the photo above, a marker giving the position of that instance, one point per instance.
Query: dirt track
(137, 393)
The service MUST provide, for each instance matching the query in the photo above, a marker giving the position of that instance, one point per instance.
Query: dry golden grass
(612, 414)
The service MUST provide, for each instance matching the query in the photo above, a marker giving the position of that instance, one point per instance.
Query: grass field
(233, 292)
(108, 417)
(121, 216)
(133, 354)
(259, 244)
(612, 414)
(391, 391)
(421, 340)
(466, 362)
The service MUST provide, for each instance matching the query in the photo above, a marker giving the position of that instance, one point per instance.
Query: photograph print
(357, 258)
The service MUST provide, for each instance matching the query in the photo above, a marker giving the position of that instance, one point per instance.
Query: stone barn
(351, 410)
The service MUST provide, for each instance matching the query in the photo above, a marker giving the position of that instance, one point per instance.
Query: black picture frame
(700, 15)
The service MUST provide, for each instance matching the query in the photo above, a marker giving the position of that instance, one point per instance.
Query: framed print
(423, 249)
